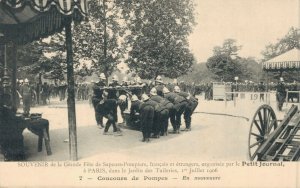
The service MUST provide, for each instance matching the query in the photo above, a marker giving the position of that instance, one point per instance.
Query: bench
(40, 127)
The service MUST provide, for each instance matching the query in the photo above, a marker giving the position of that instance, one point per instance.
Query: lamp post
(236, 79)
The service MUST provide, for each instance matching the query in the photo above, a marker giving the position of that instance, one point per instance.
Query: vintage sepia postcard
(149, 93)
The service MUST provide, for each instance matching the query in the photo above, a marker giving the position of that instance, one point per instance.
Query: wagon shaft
(283, 144)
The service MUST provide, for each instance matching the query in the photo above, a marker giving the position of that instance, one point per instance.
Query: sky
(253, 23)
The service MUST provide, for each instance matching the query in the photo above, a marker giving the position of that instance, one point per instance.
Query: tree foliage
(289, 41)
(226, 64)
(157, 42)
(222, 63)
(97, 40)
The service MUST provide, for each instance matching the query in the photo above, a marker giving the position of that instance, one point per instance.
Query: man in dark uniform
(97, 97)
(11, 128)
(26, 93)
(135, 112)
(159, 85)
(182, 85)
(113, 93)
(280, 93)
(262, 90)
(192, 103)
(106, 109)
(161, 117)
(45, 93)
(147, 110)
(179, 103)
(62, 90)
(123, 99)
(138, 88)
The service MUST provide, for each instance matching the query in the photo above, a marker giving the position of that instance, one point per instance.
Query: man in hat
(280, 93)
(123, 99)
(26, 93)
(138, 88)
(191, 105)
(179, 103)
(98, 89)
(113, 93)
(106, 109)
(159, 85)
(161, 116)
(147, 111)
(262, 90)
(135, 111)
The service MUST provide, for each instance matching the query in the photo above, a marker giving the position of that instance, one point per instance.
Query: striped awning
(287, 61)
(22, 21)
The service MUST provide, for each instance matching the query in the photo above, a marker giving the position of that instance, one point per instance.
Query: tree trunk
(105, 41)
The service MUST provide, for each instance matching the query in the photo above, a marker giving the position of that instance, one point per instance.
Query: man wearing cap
(139, 89)
(147, 110)
(179, 103)
(97, 97)
(106, 109)
(280, 93)
(161, 116)
(192, 103)
(159, 85)
(26, 93)
(261, 89)
(123, 99)
(135, 110)
(113, 93)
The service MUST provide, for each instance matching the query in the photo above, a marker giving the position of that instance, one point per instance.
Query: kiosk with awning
(285, 62)
(23, 21)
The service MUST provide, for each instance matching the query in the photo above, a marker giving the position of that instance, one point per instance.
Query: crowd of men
(168, 100)
(152, 106)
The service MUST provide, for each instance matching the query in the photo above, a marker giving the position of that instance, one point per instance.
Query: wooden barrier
(253, 96)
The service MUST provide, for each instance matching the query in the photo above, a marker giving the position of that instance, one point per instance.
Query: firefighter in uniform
(147, 110)
(192, 104)
(97, 97)
(159, 85)
(26, 93)
(161, 117)
(113, 93)
(123, 99)
(106, 108)
(138, 88)
(179, 103)
(135, 111)
(280, 93)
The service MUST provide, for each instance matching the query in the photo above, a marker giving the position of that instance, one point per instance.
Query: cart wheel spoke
(263, 122)
(259, 136)
(257, 126)
(272, 125)
(256, 143)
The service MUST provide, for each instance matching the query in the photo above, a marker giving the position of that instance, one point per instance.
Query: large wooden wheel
(263, 123)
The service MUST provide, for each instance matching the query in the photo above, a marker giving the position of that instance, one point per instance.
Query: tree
(157, 42)
(97, 39)
(200, 74)
(229, 48)
(289, 41)
(101, 36)
(222, 63)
